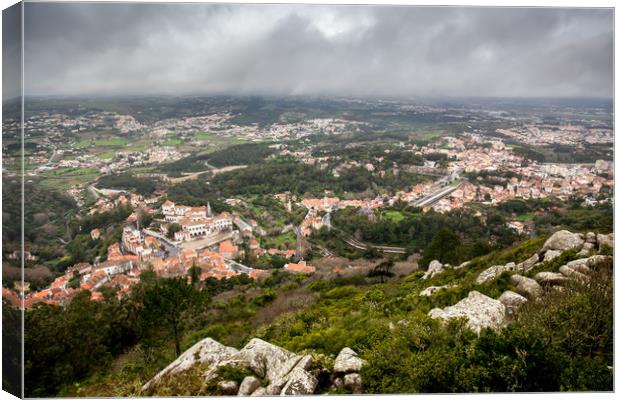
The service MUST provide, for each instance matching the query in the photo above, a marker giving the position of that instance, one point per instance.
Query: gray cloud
(110, 48)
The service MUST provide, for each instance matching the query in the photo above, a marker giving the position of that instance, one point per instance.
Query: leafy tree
(172, 229)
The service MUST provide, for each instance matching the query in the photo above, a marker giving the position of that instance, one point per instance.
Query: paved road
(436, 196)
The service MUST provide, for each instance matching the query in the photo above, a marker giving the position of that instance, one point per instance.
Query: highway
(436, 196)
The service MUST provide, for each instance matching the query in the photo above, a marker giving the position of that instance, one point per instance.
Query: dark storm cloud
(296, 49)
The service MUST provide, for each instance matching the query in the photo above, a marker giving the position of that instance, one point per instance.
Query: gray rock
(591, 237)
(434, 268)
(248, 386)
(480, 311)
(348, 361)
(207, 351)
(550, 278)
(494, 272)
(525, 266)
(551, 254)
(512, 301)
(572, 274)
(527, 287)
(273, 390)
(564, 240)
(607, 240)
(353, 383)
(299, 382)
(227, 388)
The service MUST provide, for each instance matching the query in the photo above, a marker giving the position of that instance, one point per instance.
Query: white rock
(207, 351)
(248, 386)
(434, 268)
(591, 237)
(527, 287)
(348, 361)
(564, 240)
(480, 311)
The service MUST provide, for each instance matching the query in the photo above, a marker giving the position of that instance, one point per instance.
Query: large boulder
(480, 311)
(597, 259)
(494, 272)
(550, 278)
(605, 240)
(348, 361)
(580, 265)
(512, 301)
(525, 266)
(564, 240)
(527, 287)
(207, 351)
(434, 268)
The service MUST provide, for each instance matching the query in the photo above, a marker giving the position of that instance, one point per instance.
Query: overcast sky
(317, 50)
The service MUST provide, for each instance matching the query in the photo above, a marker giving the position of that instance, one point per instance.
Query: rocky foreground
(266, 369)
(272, 370)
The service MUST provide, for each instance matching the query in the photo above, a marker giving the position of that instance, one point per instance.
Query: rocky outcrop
(527, 287)
(480, 311)
(550, 278)
(564, 240)
(512, 301)
(494, 272)
(207, 351)
(434, 268)
(284, 372)
(586, 249)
